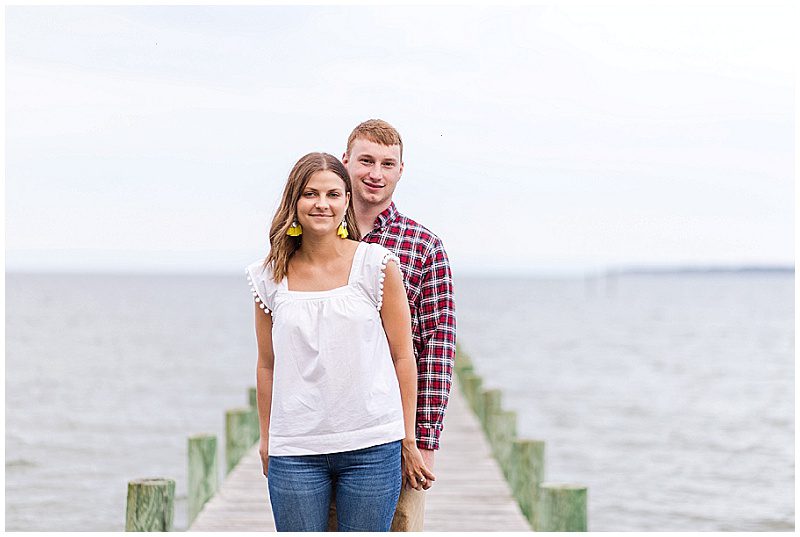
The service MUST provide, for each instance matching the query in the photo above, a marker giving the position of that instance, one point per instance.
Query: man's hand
(427, 457)
(416, 474)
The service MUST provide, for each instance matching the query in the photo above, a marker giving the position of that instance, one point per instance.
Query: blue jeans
(364, 482)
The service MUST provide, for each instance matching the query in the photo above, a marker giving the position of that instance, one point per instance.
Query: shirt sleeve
(261, 285)
(437, 326)
(377, 257)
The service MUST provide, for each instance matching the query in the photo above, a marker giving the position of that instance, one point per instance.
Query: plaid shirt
(429, 284)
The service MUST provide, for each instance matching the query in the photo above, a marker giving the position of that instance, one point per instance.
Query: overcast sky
(537, 139)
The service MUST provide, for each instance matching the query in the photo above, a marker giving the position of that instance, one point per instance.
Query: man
(374, 160)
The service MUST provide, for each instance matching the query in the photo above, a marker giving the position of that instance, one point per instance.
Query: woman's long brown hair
(282, 246)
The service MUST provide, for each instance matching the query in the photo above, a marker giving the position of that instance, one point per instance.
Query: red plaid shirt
(429, 284)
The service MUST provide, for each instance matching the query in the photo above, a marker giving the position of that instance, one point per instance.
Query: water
(671, 397)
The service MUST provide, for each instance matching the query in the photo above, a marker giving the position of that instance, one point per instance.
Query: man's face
(374, 170)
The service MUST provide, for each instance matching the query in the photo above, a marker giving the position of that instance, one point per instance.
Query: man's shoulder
(409, 226)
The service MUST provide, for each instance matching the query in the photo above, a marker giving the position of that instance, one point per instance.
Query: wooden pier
(470, 493)
(488, 479)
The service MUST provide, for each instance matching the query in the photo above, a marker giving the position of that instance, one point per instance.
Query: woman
(336, 371)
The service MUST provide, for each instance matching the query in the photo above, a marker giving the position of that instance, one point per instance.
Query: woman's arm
(396, 318)
(266, 360)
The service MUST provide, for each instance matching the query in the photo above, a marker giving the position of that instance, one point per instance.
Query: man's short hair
(377, 131)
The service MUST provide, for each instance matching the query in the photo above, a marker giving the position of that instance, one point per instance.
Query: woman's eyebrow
(317, 190)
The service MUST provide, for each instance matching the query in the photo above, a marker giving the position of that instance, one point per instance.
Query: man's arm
(437, 326)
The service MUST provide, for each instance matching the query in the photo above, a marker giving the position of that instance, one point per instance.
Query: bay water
(670, 396)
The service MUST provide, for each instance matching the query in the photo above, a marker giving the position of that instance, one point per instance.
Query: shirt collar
(387, 216)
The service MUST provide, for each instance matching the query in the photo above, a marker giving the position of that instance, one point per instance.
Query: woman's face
(323, 203)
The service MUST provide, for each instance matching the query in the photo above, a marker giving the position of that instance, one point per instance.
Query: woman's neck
(321, 249)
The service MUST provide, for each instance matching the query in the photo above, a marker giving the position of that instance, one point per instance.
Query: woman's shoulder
(262, 286)
(259, 269)
(260, 274)
(378, 253)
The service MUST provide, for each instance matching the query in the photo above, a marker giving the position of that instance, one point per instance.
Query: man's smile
(369, 184)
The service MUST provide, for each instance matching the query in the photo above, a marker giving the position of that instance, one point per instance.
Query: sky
(537, 139)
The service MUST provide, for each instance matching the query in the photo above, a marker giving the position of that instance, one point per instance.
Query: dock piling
(489, 406)
(503, 434)
(472, 389)
(202, 475)
(150, 505)
(241, 432)
(561, 508)
(527, 462)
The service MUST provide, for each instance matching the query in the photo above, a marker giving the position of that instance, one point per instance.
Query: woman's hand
(263, 451)
(415, 474)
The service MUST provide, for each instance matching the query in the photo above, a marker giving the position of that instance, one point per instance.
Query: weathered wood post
(472, 388)
(561, 508)
(203, 473)
(466, 377)
(241, 432)
(527, 472)
(462, 364)
(489, 405)
(504, 432)
(151, 504)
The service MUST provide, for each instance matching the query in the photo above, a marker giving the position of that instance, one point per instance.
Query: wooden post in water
(527, 472)
(489, 405)
(203, 473)
(466, 380)
(504, 432)
(561, 508)
(472, 389)
(151, 505)
(241, 432)
(462, 363)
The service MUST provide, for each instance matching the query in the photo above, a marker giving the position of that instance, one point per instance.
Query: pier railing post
(241, 432)
(527, 472)
(203, 473)
(504, 432)
(489, 405)
(561, 508)
(472, 389)
(462, 364)
(150, 505)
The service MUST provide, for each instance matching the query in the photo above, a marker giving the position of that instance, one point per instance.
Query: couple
(355, 325)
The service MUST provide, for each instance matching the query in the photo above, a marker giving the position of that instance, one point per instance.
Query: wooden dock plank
(470, 493)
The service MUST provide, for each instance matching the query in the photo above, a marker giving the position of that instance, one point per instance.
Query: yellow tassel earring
(342, 230)
(295, 230)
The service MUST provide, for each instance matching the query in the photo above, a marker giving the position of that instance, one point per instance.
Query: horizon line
(565, 271)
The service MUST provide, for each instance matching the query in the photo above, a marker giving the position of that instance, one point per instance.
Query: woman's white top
(334, 384)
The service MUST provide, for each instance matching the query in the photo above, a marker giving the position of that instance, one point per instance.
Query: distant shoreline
(533, 272)
(710, 270)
